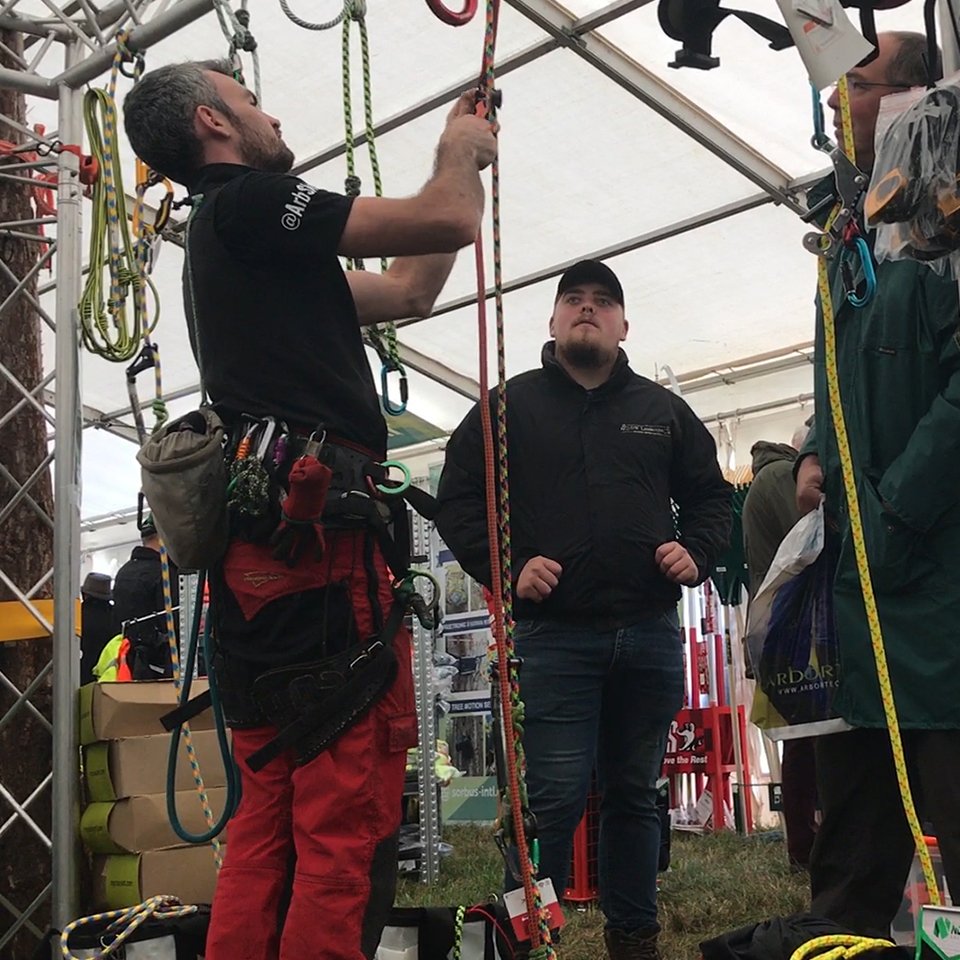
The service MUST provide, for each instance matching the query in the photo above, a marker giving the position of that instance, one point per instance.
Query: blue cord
(869, 275)
(233, 774)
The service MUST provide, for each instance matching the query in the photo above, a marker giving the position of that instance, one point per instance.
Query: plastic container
(915, 894)
(398, 943)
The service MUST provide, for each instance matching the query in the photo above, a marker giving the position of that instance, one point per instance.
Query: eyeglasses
(857, 86)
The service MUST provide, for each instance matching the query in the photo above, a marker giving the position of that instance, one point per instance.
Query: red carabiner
(449, 16)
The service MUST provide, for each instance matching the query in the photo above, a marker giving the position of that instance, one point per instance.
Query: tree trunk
(26, 554)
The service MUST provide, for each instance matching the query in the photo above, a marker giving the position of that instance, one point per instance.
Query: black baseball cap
(591, 271)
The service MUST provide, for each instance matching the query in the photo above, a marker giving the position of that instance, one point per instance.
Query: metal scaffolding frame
(84, 36)
(84, 39)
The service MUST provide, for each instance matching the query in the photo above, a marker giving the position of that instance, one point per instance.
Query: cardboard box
(125, 880)
(112, 711)
(137, 824)
(137, 766)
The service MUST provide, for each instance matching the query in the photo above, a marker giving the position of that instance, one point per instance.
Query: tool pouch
(184, 479)
(314, 703)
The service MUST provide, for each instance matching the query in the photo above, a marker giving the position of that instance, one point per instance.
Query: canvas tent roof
(714, 272)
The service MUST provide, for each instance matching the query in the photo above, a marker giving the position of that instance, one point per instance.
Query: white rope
(307, 25)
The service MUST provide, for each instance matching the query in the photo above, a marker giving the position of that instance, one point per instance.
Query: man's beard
(267, 156)
(583, 355)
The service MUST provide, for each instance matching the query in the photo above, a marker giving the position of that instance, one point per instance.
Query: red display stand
(583, 885)
(701, 742)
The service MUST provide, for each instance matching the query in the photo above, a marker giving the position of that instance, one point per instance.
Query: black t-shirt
(278, 328)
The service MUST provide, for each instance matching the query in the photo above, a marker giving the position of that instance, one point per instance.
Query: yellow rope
(838, 947)
(125, 922)
(105, 328)
(856, 531)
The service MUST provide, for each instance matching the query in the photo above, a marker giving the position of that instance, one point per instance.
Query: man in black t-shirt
(275, 327)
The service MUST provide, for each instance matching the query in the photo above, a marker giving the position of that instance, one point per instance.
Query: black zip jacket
(592, 476)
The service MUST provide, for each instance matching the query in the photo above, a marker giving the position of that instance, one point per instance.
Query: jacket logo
(298, 203)
(646, 429)
(257, 578)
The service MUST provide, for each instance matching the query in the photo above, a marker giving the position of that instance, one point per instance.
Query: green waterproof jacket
(899, 371)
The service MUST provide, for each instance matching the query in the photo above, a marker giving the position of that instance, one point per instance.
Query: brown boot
(631, 946)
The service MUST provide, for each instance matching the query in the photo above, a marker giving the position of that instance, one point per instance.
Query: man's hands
(467, 133)
(676, 564)
(538, 578)
(809, 484)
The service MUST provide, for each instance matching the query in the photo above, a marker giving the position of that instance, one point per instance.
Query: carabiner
(869, 274)
(404, 484)
(385, 370)
(450, 17)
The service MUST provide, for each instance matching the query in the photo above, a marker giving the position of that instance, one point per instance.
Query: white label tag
(516, 903)
(828, 52)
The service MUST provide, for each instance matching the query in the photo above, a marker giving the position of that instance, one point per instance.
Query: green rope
(458, 932)
(382, 337)
(104, 326)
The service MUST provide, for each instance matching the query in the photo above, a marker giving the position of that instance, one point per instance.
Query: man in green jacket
(899, 372)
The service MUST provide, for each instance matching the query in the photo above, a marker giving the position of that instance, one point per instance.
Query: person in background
(770, 512)
(139, 606)
(98, 622)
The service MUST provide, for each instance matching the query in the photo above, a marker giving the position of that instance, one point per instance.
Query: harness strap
(187, 710)
(328, 697)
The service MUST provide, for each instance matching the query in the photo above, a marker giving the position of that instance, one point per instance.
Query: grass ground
(716, 883)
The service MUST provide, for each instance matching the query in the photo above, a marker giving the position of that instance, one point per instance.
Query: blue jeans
(605, 700)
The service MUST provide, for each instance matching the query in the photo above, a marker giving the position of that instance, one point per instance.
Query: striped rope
(123, 924)
(514, 803)
(178, 683)
(458, 932)
(382, 337)
(856, 531)
(307, 25)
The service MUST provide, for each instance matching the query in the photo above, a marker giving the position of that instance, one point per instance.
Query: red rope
(537, 926)
(451, 17)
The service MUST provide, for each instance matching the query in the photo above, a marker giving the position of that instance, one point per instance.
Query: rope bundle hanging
(105, 329)
(515, 817)
(382, 337)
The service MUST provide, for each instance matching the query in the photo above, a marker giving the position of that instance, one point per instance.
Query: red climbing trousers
(321, 836)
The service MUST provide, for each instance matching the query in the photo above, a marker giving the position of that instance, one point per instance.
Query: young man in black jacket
(597, 456)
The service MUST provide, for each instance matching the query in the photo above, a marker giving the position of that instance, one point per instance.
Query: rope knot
(352, 186)
(355, 9)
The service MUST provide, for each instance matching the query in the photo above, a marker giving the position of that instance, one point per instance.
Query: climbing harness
(693, 23)
(104, 326)
(121, 925)
(451, 17)
(381, 337)
(842, 234)
(516, 820)
(856, 525)
(235, 25)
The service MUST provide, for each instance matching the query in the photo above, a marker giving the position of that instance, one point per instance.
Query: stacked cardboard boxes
(124, 825)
